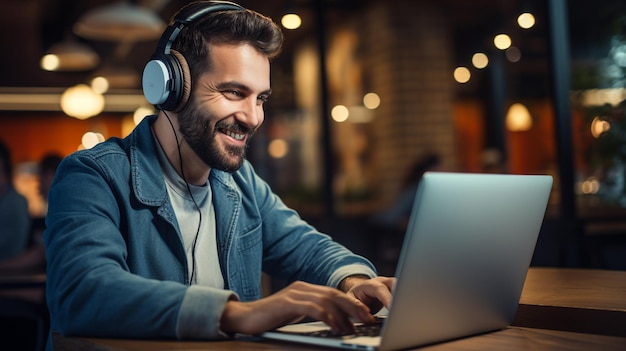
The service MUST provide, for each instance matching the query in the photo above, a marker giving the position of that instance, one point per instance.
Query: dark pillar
(494, 126)
(329, 203)
(570, 232)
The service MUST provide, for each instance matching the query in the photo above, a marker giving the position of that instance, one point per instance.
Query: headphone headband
(198, 9)
(164, 82)
(190, 14)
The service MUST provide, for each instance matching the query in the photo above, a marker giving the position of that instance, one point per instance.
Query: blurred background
(364, 91)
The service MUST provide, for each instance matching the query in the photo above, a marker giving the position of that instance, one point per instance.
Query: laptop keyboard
(365, 329)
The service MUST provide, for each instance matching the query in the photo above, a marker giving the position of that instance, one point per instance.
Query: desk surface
(21, 284)
(22, 278)
(578, 300)
(23, 281)
(579, 288)
(571, 309)
(510, 339)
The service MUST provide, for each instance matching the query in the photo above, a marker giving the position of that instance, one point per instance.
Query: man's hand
(295, 302)
(374, 292)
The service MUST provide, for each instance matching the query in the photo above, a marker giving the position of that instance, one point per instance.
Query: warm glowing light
(91, 139)
(140, 113)
(502, 41)
(340, 113)
(526, 20)
(371, 101)
(291, 21)
(480, 60)
(68, 56)
(513, 54)
(518, 118)
(599, 126)
(278, 148)
(462, 74)
(590, 186)
(598, 97)
(81, 102)
(100, 85)
(50, 62)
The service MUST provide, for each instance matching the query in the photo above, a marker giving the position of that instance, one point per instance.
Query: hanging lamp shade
(118, 76)
(518, 118)
(81, 102)
(69, 55)
(120, 21)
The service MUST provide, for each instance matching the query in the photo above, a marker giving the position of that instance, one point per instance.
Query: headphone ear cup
(166, 81)
(156, 81)
(185, 82)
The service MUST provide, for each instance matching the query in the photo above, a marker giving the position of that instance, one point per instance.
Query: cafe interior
(363, 92)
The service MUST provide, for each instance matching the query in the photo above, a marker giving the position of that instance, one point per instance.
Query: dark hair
(50, 162)
(227, 27)
(423, 164)
(5, 158)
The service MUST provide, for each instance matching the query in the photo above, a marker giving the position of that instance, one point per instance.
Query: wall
(32, 134)
(409, 62)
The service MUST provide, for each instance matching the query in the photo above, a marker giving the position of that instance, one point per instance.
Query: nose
(252, 112)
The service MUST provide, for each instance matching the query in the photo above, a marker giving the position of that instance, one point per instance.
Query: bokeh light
(340, 113)
(462, 74)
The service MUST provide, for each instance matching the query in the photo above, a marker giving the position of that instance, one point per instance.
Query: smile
(234, 135)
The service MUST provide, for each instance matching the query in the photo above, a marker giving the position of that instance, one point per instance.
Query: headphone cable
(182, 173)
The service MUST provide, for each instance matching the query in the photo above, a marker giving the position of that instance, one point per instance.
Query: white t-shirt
(200, 243)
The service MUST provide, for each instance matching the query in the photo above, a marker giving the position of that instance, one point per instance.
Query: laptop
(463, 263)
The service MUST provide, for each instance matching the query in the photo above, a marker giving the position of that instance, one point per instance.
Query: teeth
(235, 135)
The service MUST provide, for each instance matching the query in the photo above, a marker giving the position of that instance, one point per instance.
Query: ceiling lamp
(291, 21)
(69, 55)
(80, 101)
(116, 77)
(121, 21)
(518, 118)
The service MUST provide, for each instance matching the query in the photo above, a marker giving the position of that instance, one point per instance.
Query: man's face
(226, 106)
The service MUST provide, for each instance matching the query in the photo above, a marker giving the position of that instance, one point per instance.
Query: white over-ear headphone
(166, 79)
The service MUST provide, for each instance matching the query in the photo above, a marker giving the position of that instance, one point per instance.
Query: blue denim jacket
(116, 262)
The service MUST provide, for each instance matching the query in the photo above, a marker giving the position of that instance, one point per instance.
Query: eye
(261, 99)
(234, 93)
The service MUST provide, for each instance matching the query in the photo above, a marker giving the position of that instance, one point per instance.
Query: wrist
(231, 319)
(350, 281)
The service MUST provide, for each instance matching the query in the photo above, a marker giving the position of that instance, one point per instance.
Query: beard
(196, 129)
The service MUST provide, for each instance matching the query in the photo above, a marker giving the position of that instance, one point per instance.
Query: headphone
(166, 78)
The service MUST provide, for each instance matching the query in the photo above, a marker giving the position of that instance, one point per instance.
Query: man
(166, 232)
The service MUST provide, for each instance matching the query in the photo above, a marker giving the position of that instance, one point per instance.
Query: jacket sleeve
(91, 291)
(294, 250)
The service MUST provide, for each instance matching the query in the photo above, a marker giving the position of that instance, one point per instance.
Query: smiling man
(165, 233)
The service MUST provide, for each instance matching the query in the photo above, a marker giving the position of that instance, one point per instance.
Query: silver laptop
(463, 262)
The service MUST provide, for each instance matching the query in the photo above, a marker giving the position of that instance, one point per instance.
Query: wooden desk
(23, 284)
(560, 309)
(510, 339)
(577, 300)
(21, 280)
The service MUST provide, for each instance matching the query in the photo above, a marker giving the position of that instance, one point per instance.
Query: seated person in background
(15, 221)
(34, 255)
(396, 217)
(165, 233)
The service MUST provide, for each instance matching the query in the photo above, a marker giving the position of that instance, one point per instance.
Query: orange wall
(31, 135)
(470, 135)
(532, 151)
